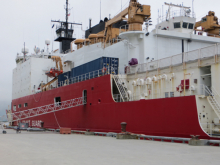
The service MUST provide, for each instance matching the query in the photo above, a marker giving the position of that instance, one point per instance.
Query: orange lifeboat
(54, 72)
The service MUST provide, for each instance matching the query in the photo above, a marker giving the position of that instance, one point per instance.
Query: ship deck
(52, 148)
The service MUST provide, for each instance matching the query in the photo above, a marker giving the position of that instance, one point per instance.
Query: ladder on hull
(212, 100)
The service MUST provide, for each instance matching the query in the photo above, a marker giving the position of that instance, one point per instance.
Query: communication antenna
(67, 15)
(24, 53)
(121, 5)
(100, 10)
(24, 50)
(193, 8)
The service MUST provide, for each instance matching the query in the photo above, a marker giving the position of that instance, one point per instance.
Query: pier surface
(48, 148)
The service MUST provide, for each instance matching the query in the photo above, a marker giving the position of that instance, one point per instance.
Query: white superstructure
(30, 73)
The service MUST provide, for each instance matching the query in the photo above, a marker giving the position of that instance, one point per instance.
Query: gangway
(38, 111)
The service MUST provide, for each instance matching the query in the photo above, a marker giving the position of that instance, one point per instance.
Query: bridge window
(191, 26)
(176, 25)
(25, 104)
(19, 106)
(185, 25)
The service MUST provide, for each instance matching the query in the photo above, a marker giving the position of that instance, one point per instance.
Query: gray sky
(29, 21)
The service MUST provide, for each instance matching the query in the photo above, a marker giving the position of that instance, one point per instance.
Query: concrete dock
(49, 148)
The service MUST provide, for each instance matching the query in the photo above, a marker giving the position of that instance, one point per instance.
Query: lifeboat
(54, 72)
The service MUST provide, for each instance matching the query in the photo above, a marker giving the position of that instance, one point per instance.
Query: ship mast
(66, 18)
(64, 33)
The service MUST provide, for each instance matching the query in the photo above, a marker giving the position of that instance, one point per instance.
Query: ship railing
(158, 92)
(117, 98)
(201, 57)
(202, 33)
(101, 41)
(130, 27)
(214, 91)
(212, 129)
(19, 59)
(111, 42)
(175, 13)
(67, 51)
(87, 76)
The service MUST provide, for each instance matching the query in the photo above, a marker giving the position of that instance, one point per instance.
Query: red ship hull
(173, 117)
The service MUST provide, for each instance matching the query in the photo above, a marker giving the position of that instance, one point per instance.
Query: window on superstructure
(25, 104)
(166, 94)
(191, 26)
(19, 106)
(171, 94)
(185, 25)
(176, 25)
(84, 97)
(14, 107)
(57, 101)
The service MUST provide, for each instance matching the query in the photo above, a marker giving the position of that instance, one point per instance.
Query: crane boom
(58, 60)
(209, 24)
(137, 14)
(117, 18)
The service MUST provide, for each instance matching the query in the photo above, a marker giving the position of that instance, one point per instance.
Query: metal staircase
(121, 88)
(212, 100)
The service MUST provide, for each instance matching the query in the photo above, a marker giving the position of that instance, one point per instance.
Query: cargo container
(95, 65)
(91, 69)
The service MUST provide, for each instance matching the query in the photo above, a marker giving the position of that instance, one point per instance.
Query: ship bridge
(182, 20)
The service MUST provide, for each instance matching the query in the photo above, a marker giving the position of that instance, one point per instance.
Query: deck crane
(54, 72)
(209, 24)
(137, 15)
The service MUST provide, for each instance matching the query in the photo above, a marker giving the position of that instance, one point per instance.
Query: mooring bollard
(195, 141)
(123, 126)
(124, 134)
(88, 132)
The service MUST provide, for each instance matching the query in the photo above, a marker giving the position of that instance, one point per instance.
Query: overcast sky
(29, 21)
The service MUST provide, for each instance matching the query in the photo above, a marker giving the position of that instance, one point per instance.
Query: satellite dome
(47, 42)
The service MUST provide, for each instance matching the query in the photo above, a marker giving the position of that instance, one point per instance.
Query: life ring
(104, 70)
(127, 69)
(180, 88)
